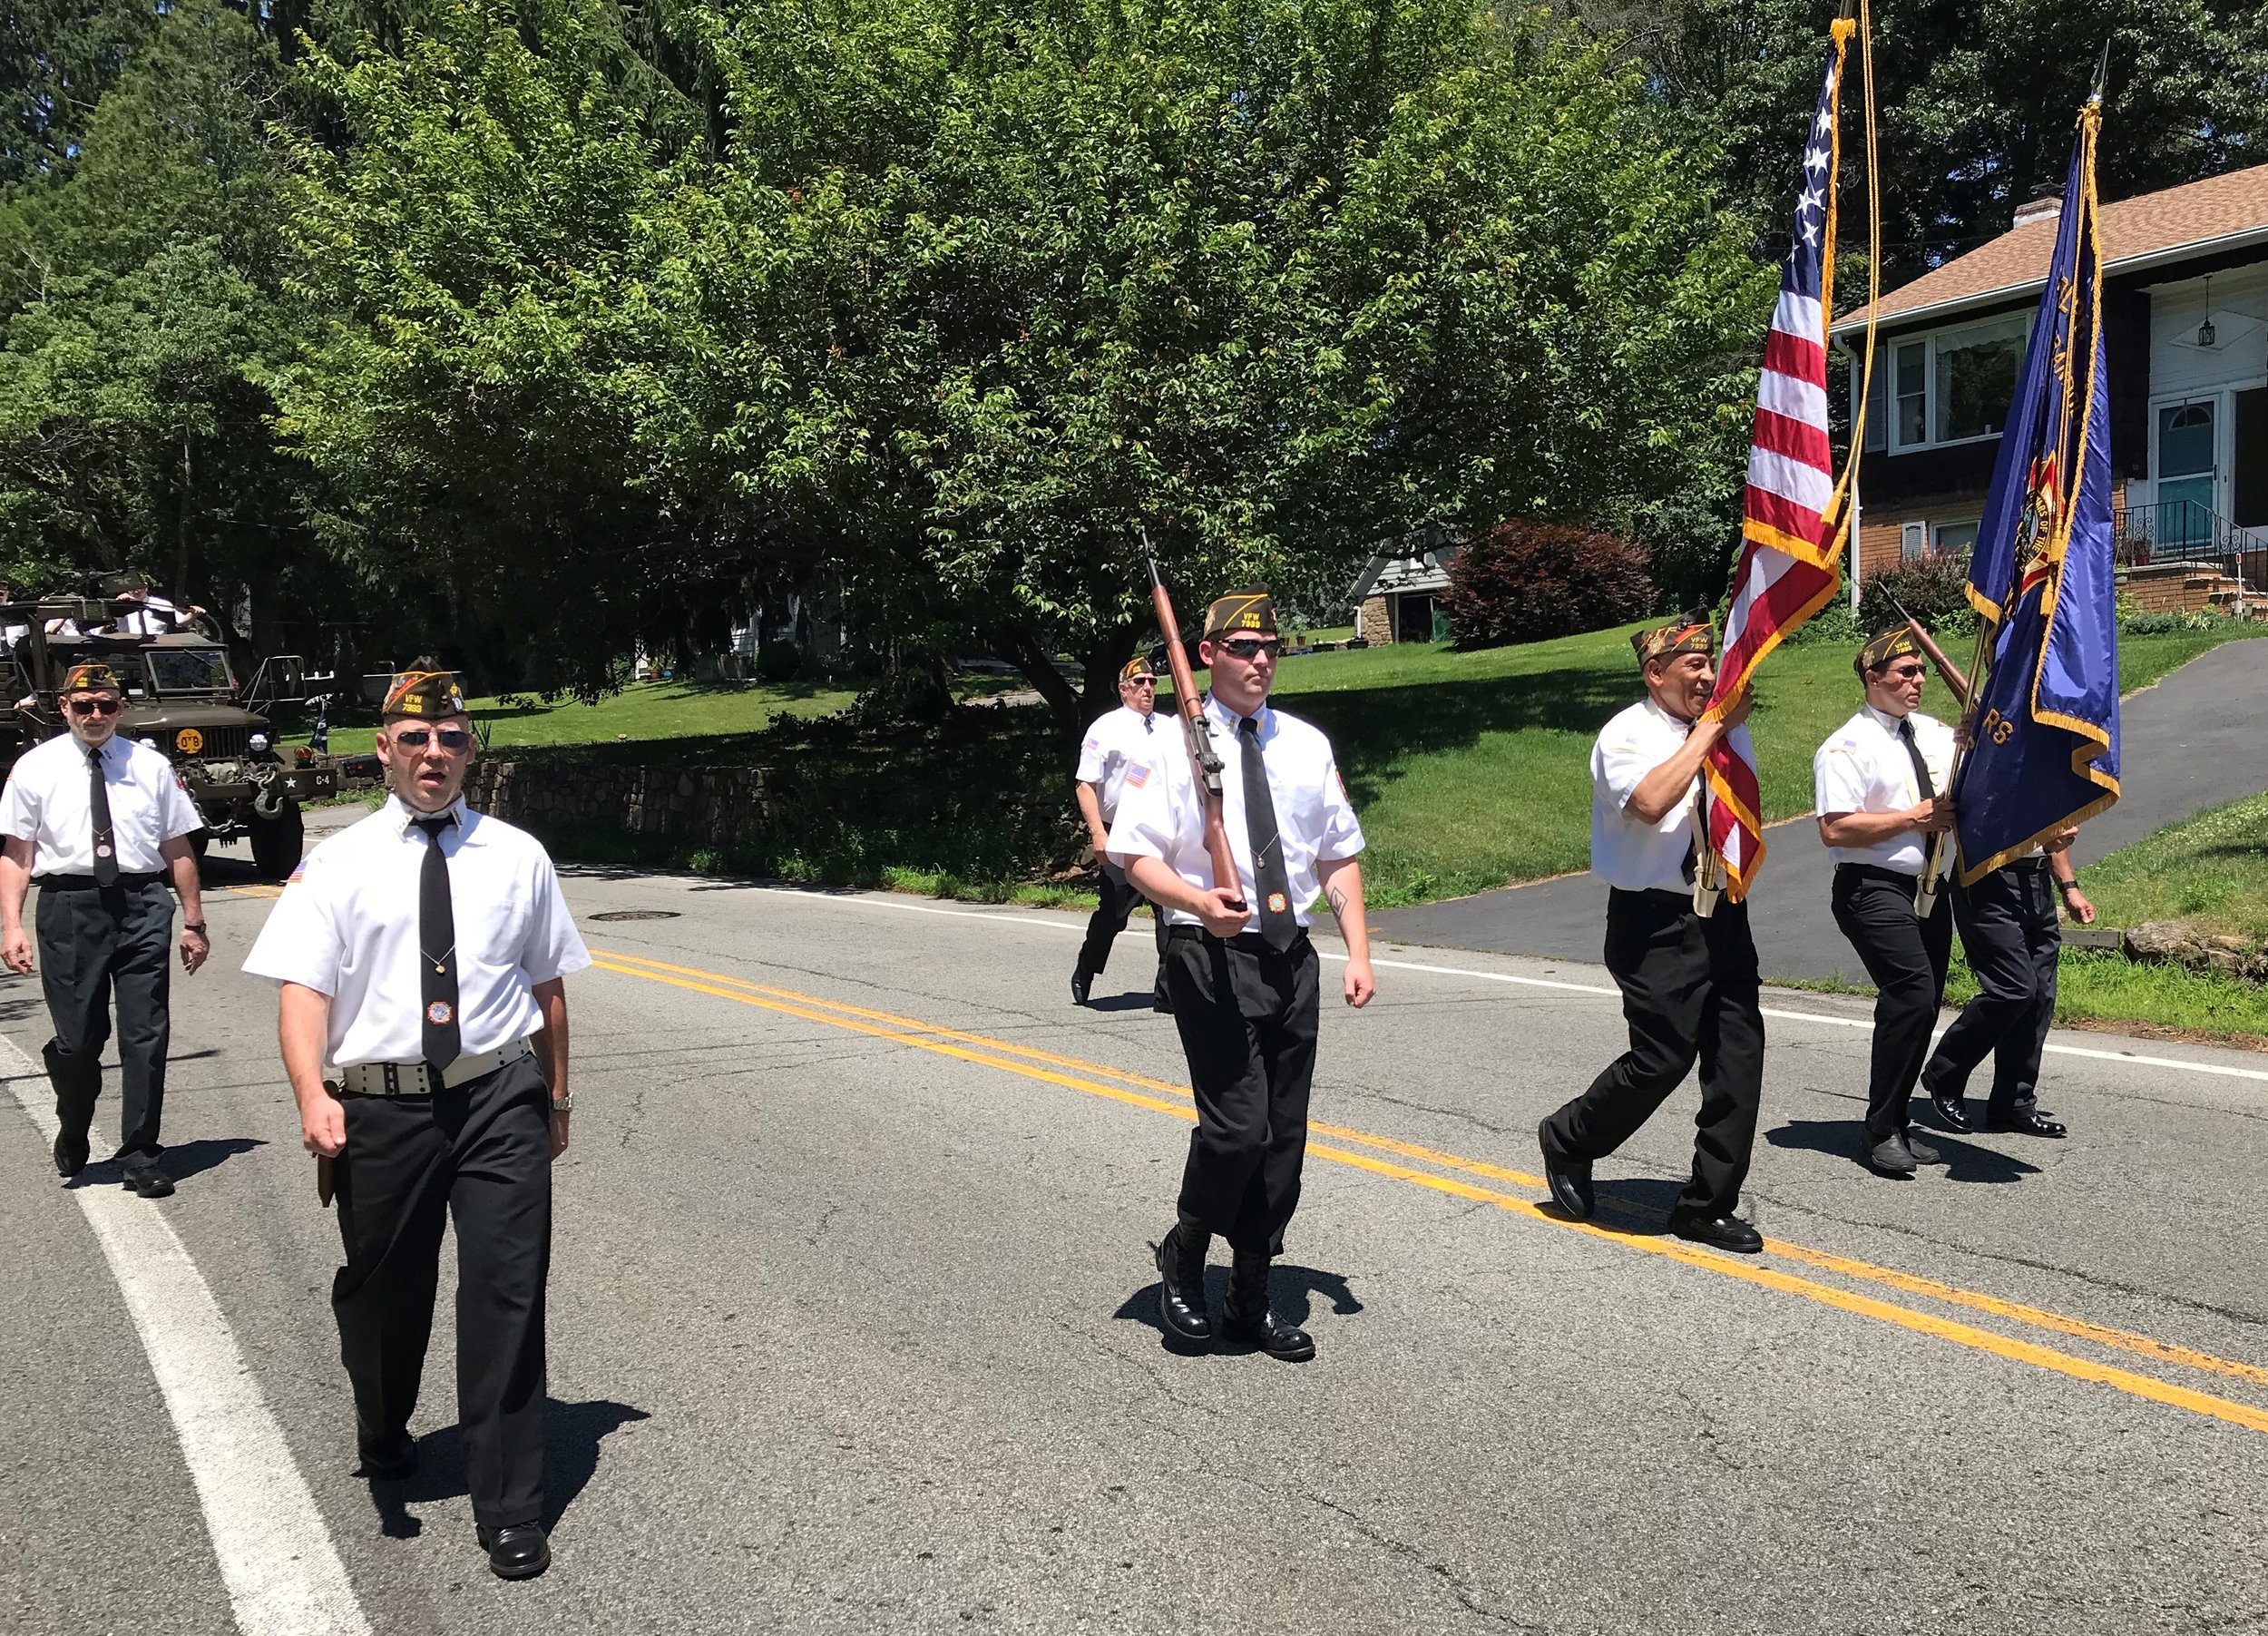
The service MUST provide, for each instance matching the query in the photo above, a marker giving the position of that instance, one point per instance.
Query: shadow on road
(189, 1158)
(1292, 1290)
(573, 1432)
(1965, 1160)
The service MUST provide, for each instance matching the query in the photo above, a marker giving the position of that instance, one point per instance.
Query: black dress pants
(1906, 957)
(1120, 897)
(481, 1154)
(1689, 992)
(1247, 1018)
(2008, 928)
(92, 941)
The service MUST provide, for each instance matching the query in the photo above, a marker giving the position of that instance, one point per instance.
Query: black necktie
(1278, 924)
(99, 803)
(1921, 768)
(436, 947)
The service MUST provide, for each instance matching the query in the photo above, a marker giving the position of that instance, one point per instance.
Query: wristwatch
(563, 1104)
(197, 926)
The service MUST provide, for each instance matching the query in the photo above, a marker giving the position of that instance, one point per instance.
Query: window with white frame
(1955, 386)
(1937, 537)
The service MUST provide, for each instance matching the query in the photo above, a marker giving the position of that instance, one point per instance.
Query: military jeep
(184, 700)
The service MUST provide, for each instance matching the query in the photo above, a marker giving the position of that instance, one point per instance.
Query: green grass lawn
(1472, 770)
(2211, 870)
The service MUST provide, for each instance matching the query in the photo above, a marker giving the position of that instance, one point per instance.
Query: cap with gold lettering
(1897, 642)
(1246, 613)
(1137, 669)
(1689, 632)
(424, 691)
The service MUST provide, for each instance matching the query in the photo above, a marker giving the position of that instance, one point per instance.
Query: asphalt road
(2189, 742)
(852, 1326)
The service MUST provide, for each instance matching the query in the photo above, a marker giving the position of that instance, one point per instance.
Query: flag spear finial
(2102, 75)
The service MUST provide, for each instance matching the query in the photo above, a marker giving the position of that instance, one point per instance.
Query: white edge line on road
(283, 1576)
(2222, 1070)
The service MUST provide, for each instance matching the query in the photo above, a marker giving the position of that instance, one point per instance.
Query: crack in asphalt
(1448, 1576)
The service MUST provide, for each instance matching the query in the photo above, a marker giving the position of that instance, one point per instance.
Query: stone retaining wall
(709, 806)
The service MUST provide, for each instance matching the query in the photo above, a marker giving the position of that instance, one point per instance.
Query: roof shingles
(2195, 213)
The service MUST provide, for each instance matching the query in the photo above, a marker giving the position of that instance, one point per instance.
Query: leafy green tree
(1978, 98)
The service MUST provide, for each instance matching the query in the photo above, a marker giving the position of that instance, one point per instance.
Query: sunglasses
(417, 738)
(94, 707)
(1250, 647)
(1141, 681)
(1910, 672)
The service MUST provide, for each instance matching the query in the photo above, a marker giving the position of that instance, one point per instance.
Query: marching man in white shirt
(1879, 785)
(422, 953)
(102, 823)
(1239, 968)
(1689, 981)
(1126, 741)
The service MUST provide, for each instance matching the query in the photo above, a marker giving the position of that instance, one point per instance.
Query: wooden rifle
(1196, 730)
(1934, 854)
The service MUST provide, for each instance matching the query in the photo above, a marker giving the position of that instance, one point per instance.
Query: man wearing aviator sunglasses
(1121, 746)
(105, 824)
(1240, 969)
(424, 952)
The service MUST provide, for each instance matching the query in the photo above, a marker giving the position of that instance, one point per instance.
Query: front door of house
(2188, 435)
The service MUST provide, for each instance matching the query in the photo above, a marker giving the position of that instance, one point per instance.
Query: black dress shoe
(2024, 1124)
(520, 1552)
(1891, 1156)
(1569, 1179)
(1719, 1232)
(1248, 1320)
(1083, 984)
(388, 1462)
(1181, 1289)
(150, 1181)
(1952, 1109)
(1160, 1002)
(70, 1154)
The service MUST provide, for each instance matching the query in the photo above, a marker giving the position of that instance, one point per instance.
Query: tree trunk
(1022, 648)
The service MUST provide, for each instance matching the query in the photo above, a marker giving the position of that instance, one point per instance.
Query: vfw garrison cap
(1897, 642)
(1246, 613)
(1689, 632)
(91, 679)
(424, 691)
(1137, 669)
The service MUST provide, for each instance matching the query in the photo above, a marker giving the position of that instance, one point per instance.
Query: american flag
(1795, 513)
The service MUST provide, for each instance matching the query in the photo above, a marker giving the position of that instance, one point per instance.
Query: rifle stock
(1197, 731)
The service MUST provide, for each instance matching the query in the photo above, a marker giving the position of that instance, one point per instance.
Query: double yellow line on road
(1162, 1096)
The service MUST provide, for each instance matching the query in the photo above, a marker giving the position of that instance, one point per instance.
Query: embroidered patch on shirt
(298, 869)
(1137, 774)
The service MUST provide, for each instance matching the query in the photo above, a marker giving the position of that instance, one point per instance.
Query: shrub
(1526, 581)
(1931, 589)
(1834, 624)
(778, 662)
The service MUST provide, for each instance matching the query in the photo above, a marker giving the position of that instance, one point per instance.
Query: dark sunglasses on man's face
(1910, 672)
(1249, 648)
(417, 738)
(96, 707)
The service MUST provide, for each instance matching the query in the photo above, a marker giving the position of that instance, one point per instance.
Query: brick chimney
(2039, 209)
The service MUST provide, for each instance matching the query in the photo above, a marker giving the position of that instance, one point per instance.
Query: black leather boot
(1246, 1317)
(1182, 1286)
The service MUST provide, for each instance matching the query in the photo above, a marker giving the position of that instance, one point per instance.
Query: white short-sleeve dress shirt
(1863, 767)
(1116, 741)
(1162, 814)
(1625, 851)
(48, 802)
(346, 927)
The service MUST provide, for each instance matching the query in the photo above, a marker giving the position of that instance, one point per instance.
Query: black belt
(2031, 863)
(1253, 942)
(1896, 877)
(87, 883)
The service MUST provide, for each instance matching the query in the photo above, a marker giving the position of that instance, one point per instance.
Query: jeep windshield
(177, 670)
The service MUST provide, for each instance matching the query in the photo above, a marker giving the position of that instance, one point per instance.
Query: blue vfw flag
(2045, 718)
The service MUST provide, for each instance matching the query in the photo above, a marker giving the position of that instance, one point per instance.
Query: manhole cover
(635, 914)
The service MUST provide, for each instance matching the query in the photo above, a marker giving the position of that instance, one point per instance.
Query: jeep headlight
(259, 743)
